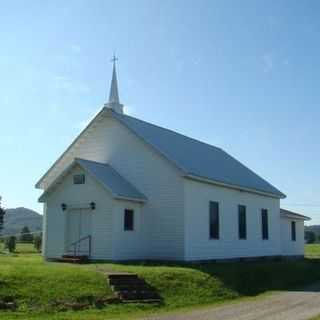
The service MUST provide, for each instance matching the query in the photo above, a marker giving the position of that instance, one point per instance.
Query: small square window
(128, 219)
(79, 179)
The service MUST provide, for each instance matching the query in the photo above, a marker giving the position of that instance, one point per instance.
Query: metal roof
(111, 179)
(197, 158)
(290, 214)
(107, 176)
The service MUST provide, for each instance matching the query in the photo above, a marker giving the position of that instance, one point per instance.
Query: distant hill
(16, 219)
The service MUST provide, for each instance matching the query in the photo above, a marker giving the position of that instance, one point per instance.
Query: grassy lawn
(312, 251)
(37, 285)
(21, 248)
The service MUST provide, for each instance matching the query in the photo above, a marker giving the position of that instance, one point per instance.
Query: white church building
(126, 189)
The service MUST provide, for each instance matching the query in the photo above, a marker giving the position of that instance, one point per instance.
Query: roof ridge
(170, 130)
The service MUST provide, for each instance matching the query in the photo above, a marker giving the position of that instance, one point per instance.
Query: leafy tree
(26, 236)
(2, 213)
(310, 237)
(10, 243)
(37, 241)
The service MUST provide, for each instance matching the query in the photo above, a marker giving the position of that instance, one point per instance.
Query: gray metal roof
(107, 176)
(197, 158)
(290, 214)
(111, 179)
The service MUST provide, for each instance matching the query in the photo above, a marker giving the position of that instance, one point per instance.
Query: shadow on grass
(253, 278)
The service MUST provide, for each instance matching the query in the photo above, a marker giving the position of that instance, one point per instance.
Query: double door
(78, 227)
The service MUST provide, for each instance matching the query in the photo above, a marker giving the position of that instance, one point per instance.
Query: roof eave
(42, 198)
(56, 181)
(140, 200)
(234, 187)
(77, 161)
(295, 217)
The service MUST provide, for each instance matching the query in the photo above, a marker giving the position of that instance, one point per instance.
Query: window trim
(78, 175)
(265, 232)
(125, 226)
(240, 236)
(214, 234)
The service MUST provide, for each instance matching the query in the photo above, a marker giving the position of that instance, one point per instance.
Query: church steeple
(114, 94)
(114, 101)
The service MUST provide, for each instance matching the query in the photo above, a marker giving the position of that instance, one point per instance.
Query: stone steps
(132, 289)
(68, 258)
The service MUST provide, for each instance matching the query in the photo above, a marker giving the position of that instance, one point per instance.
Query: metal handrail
(74, 244)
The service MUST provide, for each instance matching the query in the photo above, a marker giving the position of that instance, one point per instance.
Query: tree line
(25, 236)
(311, 237)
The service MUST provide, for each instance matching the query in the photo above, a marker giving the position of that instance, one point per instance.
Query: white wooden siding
(128, 245)
(111, 142)
(79, 195)
(174, 223)
(200, 247)
(289, 247)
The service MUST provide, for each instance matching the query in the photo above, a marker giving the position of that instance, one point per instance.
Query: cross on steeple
(114, 101)
(114, 59)
(114, 95)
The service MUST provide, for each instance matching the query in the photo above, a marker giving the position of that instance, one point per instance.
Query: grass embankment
(37, 285)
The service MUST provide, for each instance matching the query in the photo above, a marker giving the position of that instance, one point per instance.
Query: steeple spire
(114, 94)
(114, 101)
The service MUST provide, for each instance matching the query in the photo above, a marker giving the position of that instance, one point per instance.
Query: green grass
(20, 248)
(37, 285)
(312, 251)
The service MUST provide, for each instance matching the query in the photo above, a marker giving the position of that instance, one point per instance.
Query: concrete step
(84, 257)
(128, 281)
(73, 259)
(130, 288)
(138, 295)
(142, 301)
(122, 276)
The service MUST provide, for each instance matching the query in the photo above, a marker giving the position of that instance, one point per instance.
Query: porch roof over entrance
(111, 179)
(106, 176)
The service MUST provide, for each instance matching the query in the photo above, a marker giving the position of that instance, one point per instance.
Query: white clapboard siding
(128, 245)
(79, 195)
(111, 142)
(173, 224)
(200, 247)
(289, 247)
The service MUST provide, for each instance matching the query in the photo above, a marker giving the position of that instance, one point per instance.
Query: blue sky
(242, 75)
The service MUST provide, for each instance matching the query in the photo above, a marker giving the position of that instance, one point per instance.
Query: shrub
(10, 243)
(2, 213)
(310, 237)
(37, 241)
(26, 236)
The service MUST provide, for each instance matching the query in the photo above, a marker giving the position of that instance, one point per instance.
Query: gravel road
(288, 305)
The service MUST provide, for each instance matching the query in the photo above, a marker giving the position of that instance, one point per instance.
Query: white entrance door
(78, 227)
